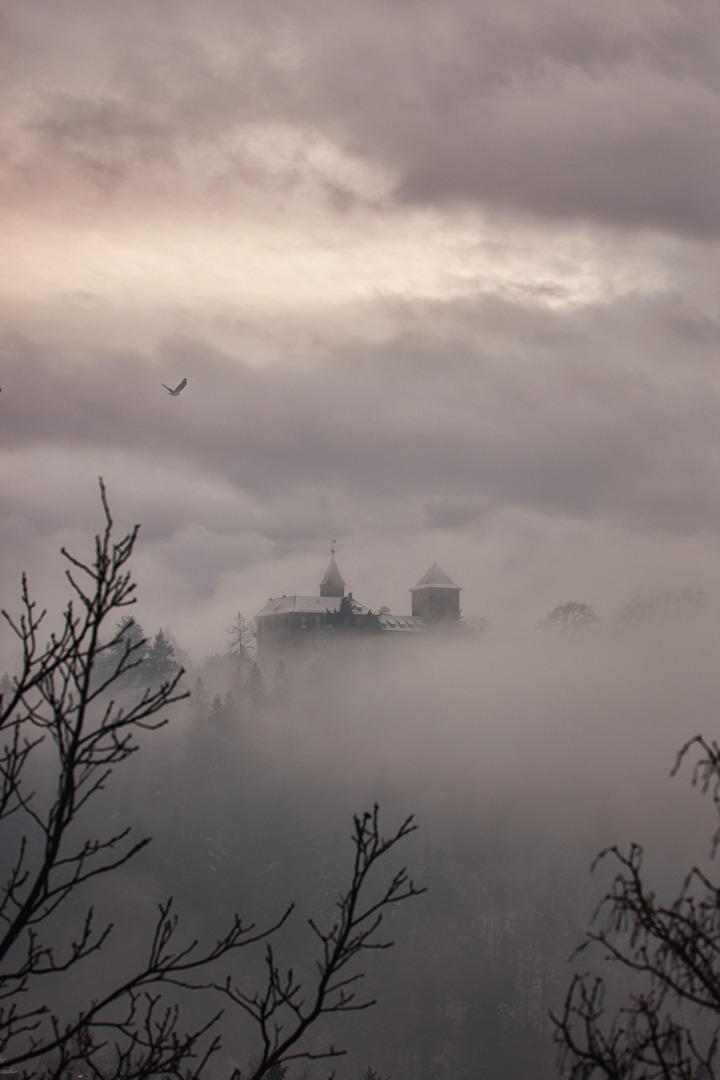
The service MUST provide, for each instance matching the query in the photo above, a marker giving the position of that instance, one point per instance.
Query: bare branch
(672, 950)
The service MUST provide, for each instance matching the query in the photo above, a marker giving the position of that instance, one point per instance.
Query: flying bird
(178, 388)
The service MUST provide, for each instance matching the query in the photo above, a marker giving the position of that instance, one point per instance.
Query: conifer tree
(160, 664)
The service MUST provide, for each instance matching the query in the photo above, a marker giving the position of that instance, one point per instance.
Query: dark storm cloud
(597, 113)
(618, 152)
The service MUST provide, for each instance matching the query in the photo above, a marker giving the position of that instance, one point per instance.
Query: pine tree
(160, 664)
(280, 684)
(217, 712)
(345, 617)
(128, 642)
(255, 688)
(370, 1074)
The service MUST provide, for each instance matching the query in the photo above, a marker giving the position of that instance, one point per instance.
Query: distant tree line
(641, 611)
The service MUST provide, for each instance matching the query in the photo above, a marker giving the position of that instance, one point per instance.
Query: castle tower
(332, 584)
(435, 598)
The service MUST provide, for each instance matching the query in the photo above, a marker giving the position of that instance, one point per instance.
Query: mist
(519, 759)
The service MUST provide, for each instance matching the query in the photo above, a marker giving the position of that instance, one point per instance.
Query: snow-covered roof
(435, 579)
(307, 605)
(318, 605)
(402, 623)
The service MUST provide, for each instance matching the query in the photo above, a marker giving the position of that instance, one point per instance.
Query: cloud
(568, 426)
(441, 280)
(615, 151)
(537, 109)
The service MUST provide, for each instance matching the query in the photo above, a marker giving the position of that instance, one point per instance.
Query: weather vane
(332, 545)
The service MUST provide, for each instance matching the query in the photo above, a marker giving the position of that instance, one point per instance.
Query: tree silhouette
(58, 714)
(347, 617)
(669, 1024)
(160, 663)
(570, 616)
(661, 608)
(242, 642)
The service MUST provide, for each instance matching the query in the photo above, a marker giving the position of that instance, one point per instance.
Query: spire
(332, 584)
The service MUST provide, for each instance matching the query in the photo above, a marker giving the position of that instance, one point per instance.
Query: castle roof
(318, 605)
(435, 579)
(307, 605)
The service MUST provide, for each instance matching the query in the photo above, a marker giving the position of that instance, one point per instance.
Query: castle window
(318, 620)
(303, 622)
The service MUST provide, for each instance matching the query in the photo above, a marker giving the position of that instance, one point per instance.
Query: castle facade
(288, 625)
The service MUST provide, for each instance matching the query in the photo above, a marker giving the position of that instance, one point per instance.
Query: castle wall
(435, 605)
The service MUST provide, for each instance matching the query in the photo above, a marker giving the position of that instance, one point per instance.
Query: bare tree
(669, 1023)
(242, 639)
(570, 616)
(61, 702)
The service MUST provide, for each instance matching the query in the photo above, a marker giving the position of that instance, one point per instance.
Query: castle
(288, 624)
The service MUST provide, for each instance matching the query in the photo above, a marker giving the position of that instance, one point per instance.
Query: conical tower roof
(435, 579)
(332, 584)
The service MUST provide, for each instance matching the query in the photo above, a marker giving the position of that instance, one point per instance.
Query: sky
(442, 280)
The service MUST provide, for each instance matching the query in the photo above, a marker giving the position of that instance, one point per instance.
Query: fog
(520, 759)
(501, 723)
